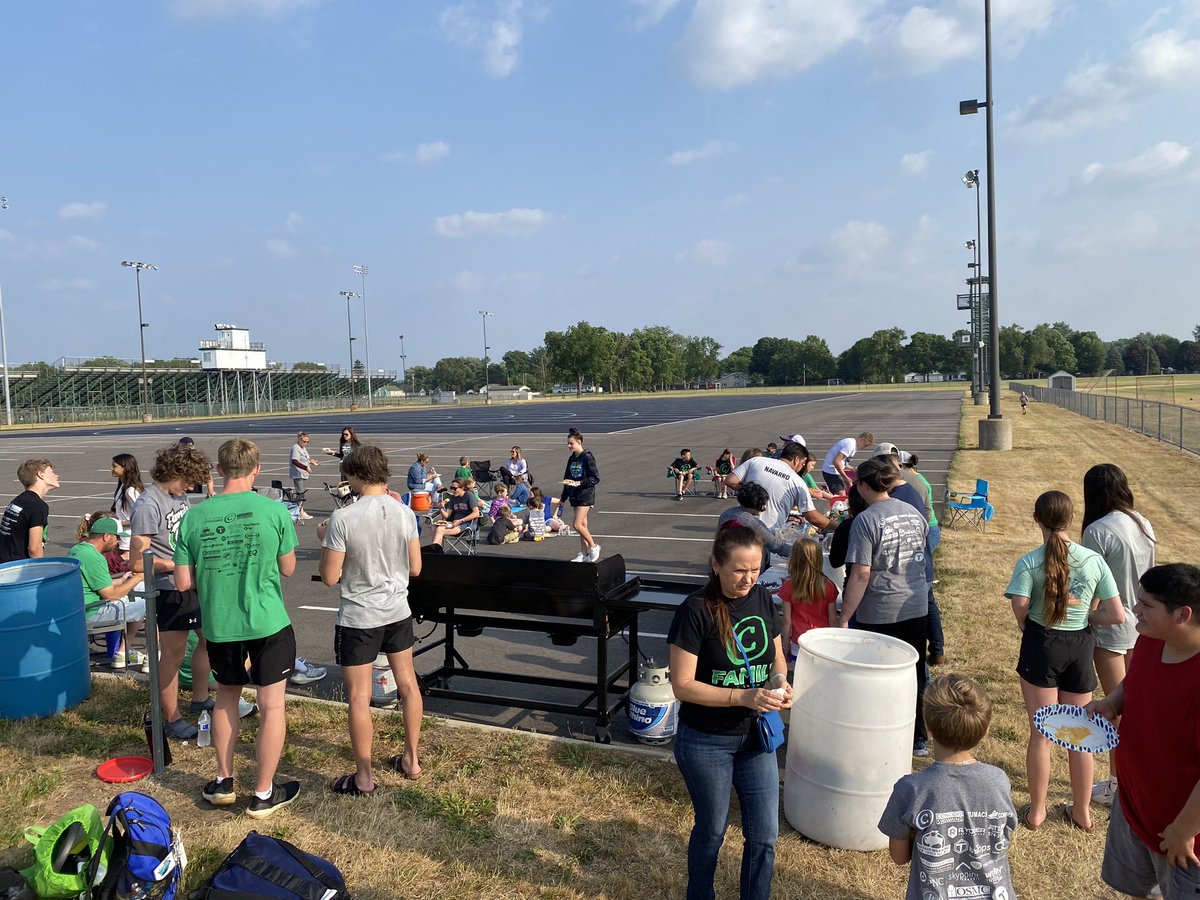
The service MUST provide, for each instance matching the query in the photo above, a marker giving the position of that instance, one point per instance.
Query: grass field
(1183, 390)
(501, 814)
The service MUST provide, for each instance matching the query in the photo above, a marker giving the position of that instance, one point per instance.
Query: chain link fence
(1168, 422)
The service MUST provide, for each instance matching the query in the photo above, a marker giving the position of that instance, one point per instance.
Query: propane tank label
(652, 721)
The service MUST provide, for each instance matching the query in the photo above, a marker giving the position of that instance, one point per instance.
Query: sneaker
(199, 706)
(594, 555)
(181, 730)
(281, 795)
(305, 516)
(145, 664)
(306, 673)
(1104, 792)
(679, 496)
(219, 792)
(246, 709)
(582, 557)
(135, 660)
(117, 661)
(920, 748)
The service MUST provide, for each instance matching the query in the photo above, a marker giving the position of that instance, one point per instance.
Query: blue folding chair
(971, 507)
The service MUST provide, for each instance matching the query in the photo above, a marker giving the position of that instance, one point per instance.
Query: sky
(734, 168)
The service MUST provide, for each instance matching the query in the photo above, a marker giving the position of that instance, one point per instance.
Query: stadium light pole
(403, 367)
(971, 180)
(349, 295)
(4, 345)
(487, 395)
(142, 326)
(362, 270)
(994, 432)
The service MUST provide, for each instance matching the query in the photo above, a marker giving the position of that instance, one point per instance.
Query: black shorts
(583, 497)
(834, 482)
(177, 611)
(1057, 659)
(360, 646)
(272, 659)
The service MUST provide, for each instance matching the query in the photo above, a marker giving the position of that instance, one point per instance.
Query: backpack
(266, 868)
(146, 858)
(65, 852)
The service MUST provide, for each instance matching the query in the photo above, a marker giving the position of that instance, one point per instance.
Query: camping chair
(290, 494)
(485, 478)
(464, 542)
(971, 507)
(697, 474)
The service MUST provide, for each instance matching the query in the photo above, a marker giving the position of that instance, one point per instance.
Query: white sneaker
(135, 659)
(245, 708)
(117, 661)
(582, 557)
(1104, 792)
(306, 673)
(594, 555)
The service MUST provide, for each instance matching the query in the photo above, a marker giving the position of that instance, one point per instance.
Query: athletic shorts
(360, 646)
(177, 611)
(272, 659)
(585, 497)
(1057, 659)
(1133, 868)
(834, 482)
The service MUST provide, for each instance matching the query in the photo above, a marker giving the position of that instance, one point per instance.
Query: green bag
(62, 851)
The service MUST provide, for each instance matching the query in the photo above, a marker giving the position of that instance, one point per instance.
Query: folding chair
(971, 507)
(691, 487)
(290, 494)
(485, 478)
(464, 542)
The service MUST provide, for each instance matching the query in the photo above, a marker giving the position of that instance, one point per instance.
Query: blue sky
(737, 168)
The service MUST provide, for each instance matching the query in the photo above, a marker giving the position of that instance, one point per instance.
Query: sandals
(347, 787)
(1066, 815)
(396, 763)
(1023, 816)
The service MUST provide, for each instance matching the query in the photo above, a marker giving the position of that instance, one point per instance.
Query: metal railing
(1167, 422)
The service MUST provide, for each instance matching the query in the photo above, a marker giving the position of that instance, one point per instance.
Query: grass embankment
(502, 815)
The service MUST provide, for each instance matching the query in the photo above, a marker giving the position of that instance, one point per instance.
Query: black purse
(768, 725)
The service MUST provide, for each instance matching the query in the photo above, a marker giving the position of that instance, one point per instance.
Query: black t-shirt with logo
(26, 511)
(756, 625)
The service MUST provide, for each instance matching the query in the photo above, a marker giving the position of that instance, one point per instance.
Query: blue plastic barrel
(43, 633)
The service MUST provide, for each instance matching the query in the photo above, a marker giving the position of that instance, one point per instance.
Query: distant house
(1064, 381)
(389, 392)
(734, 380)
(508, 391)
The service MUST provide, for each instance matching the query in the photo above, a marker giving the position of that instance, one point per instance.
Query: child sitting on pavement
(1153, 832)
(956, 814)
(507, 529)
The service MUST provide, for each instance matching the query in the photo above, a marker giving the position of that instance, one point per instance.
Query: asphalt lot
(635, 515)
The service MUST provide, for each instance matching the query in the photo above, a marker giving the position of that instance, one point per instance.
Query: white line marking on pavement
(320, 608)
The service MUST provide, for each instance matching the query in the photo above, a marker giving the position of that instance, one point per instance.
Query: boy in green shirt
(104, 599)
(233, 548)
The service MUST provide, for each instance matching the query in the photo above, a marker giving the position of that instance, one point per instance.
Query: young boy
(957, 814)
(1152, 835)
(684, 470)
(23, 525)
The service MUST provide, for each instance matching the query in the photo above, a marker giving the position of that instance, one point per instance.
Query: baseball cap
(187, 441)
(883, 448)
(904, 457)
(794, 438)
(105, 525)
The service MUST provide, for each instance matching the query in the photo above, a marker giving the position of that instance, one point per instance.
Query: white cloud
(497, 37)
(83, 211)
(280, 248)
(513, 223)
(729, 43)
(707, 151)
(737, 199)
(469, 282)
(293, 222)
(857, 244)
(651, 12)
(925, 39)
(228, 9)
(1162, 159)
(1098, 95)
(1136, 231)
(423, 154)
(80, 242)
(915, 163)
(706, 252)
(60, 285)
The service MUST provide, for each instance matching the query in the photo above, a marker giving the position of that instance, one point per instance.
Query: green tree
(1012, 351)
(700, 358)
(737, 361)
(105, 362)
(457, 373)
(808, 361)
(763, 351)
(518, 367)
(309, 366)
(633, 370)
(924, 352)
(877, 359)
(1090, 351)
(1196, 334)
(420, 378)
(1114, 357)
(1187, 358)
(666, 356)
(582, 352)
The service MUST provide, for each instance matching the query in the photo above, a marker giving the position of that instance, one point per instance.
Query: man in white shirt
(785, 488)
(834, 468)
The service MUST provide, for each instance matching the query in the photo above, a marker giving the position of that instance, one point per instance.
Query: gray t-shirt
(373, 532)
(1129, 553)
(963, 819)
(157, 515)
(890, 538)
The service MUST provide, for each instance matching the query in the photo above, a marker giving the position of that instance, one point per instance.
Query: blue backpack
(146, 858)
(266, 868)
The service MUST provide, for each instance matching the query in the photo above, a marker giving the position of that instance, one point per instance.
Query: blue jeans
(519, 493)
(711, 764)
(937, 637)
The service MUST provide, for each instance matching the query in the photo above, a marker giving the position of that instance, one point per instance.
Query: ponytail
(728, 540)
(1053, 511)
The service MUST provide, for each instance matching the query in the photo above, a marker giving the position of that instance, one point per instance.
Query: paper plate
(1070, 727)
(124, 769)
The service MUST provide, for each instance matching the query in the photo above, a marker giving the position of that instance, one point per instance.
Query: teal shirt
(932, 509)
(94, 570)
(1091, 579)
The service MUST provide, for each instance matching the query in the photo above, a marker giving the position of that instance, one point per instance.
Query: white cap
(883, 448)
(794, 438)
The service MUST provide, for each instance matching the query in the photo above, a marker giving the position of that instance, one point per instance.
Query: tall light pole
(362, 270)
(142, 326)
(4, 345)
(487, 396)
(349, 295)
(403, 367)
(994, 432)
(971, 180)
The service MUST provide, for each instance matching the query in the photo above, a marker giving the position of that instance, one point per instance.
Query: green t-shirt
(463, 472)
(232, 542)
(810, 481)
(929, 487)
(94, 570)
(1090, 579)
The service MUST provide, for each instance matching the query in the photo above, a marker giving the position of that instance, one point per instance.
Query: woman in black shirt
(716, 747)
(579, 486)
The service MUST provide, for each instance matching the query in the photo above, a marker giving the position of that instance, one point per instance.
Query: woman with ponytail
(717, 747)
(1058, 591)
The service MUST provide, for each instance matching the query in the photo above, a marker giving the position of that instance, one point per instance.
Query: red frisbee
(124, 769)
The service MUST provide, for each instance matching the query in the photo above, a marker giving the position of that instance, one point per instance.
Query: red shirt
(1158, 759)
(806, 616)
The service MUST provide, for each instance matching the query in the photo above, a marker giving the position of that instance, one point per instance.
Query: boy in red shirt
(1152, 834)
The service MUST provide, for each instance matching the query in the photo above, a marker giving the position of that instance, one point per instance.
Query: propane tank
(653, 709)
(383, 682)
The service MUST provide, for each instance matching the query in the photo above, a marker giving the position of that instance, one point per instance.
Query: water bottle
(204, 723)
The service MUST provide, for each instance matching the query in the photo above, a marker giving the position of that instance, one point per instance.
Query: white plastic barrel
(851, 735)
